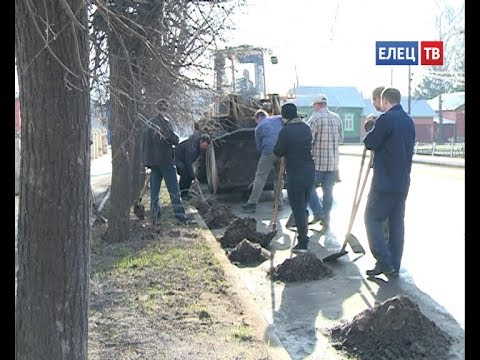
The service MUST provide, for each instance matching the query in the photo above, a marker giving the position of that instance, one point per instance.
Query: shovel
(139, 208)
(198, 189)
(349, 237)
(279, 187)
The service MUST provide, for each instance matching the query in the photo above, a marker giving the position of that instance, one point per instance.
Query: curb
(419, 161)
(264, 329)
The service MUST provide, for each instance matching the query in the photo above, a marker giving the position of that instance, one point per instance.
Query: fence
(99, 145)
(452, 150)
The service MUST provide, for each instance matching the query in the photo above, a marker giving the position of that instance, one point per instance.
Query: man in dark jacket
(157, 153)
(295, 144)
(186, 153)
(392, 137)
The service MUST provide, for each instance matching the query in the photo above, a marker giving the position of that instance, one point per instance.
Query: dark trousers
(169, 174)
(298, 195)
(383, 206)
(185, 179)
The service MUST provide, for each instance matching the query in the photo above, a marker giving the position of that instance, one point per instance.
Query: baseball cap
(320, 99)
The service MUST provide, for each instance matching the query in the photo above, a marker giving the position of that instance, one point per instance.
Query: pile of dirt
(303, 267)
(248, 253)
(245, 228)
(213, 213)
(394, 329)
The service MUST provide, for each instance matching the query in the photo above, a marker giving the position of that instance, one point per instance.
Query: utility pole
(440, 120)
(409, 90)
(296, 77)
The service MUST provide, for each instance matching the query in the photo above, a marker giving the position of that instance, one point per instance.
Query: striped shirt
(327, 135)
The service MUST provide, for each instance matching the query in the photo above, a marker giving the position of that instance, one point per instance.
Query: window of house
(348, 122)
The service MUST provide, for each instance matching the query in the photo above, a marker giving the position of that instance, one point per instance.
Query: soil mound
(245, 228)
(248, 253)
(394, 329)
(214, 214)
(300, 268)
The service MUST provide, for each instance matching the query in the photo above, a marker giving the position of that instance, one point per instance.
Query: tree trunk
(53, 231)
(122, 126)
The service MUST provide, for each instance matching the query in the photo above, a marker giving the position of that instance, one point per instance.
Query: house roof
(450, 101)
(419, 108)
(338, 96)
(444, 120)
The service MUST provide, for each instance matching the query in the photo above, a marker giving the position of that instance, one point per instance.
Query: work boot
(249, 207)
(395, 274)
(316, 218)
(185, 194)
(301, 247)
(325, 224)
(186, 220)
(378, 270)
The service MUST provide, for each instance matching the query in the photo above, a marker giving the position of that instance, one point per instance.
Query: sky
(332, 43)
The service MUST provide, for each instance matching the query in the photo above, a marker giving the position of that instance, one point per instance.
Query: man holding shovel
(392, 137)
(370, 121)
(186, 153)
(266, 134)
(295, 144)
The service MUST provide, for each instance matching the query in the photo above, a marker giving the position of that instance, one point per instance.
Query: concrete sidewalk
(357, 149)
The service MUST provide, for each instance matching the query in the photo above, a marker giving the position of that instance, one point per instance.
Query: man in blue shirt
(392, 137)
(266, 134)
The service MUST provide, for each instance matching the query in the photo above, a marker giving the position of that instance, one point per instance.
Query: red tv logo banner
(431, 53)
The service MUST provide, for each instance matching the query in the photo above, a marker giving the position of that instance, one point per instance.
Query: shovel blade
(357, 248)
(335, 256)
(139, 211)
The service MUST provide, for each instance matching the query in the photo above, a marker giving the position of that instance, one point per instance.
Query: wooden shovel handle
(277, 191)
